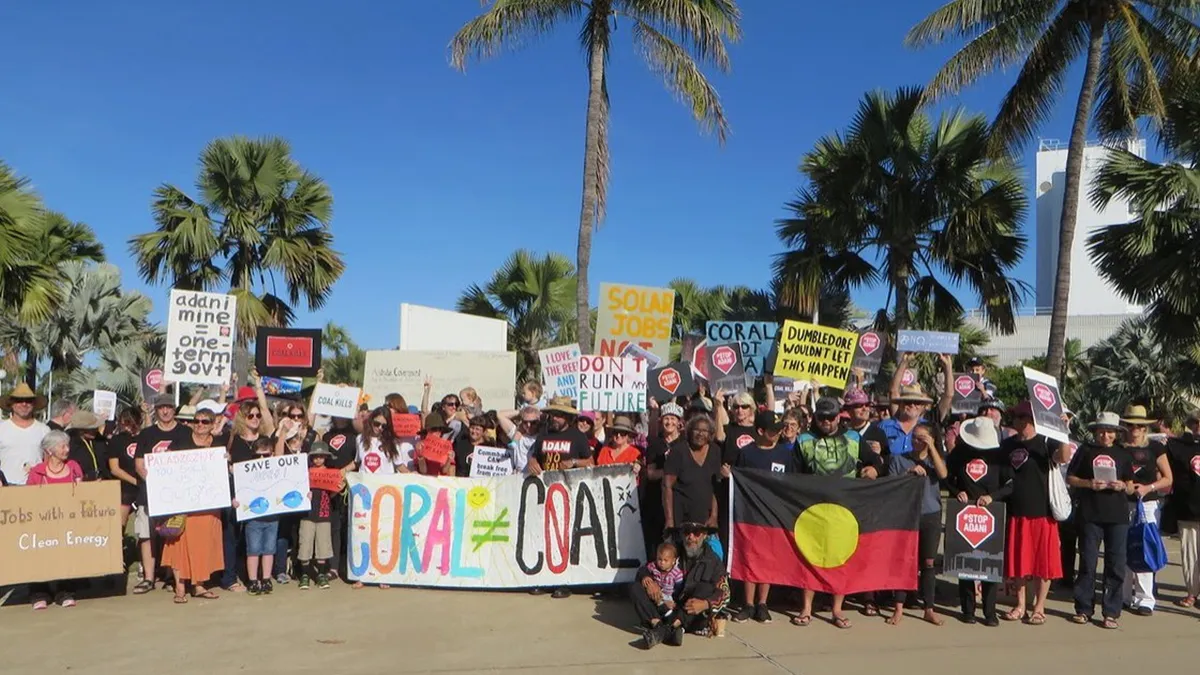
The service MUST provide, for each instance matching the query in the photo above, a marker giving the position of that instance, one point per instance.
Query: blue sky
(438, 175)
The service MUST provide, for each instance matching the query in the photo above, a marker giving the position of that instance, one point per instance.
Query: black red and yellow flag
(834, 535)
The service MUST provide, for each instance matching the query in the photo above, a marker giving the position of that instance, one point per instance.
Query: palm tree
(923, 199)
(673, 36)
(534, 295)
(259, 222)
(1127, 46)
(1154, 260)
(344, 361)
(26, 288)
(695, 306)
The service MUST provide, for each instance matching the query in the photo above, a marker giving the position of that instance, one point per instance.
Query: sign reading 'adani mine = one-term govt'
(563, 528)
(809, 352)
(200, 334)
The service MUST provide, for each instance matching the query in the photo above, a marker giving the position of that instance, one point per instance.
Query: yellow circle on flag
(826, 534)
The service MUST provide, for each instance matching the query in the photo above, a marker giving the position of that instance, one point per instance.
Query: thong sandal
(1110, 623)
(870, 610)
(1036, 619)
(143, 587)
(1013, 614)
(1081, 619)
(801, 620)
(205, 595)
(842, 622)
(1189, 601)
(181, 599)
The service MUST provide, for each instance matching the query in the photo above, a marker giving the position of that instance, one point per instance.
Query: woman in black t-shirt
(1101, 471)
(689, 484)
(1151, 477)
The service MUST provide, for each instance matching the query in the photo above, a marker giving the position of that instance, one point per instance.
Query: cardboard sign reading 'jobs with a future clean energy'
(200, 334)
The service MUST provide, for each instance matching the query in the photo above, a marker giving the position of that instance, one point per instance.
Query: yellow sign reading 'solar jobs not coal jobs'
(634, 314)
(809, 352)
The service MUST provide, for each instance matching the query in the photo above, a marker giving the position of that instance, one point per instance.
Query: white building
(1094, 307)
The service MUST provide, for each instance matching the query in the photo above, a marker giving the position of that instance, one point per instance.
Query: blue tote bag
(1145, 551)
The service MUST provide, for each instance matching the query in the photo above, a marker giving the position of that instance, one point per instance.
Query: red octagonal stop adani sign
(975, 524)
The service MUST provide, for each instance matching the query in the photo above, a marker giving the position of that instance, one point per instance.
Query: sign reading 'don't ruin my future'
(200, 335)
(612, 384)
(809, 352)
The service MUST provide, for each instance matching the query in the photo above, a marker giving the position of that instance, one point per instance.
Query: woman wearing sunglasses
(197, 553)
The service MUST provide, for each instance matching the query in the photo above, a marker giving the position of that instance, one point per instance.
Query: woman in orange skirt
(199, 552)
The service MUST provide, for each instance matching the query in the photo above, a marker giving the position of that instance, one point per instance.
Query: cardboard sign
(671, 381)
(335, 401)
(271, 486)
(811, 352)
(928, 341)
(633, 351)
(634, 314)
(104, 404)
(868, 356)
(186, 481)
(287, 352)
(405, 425)
(329, 480)
(726, 370)
(1046, 402)
(755, 337)
(200, 336)
(489, 462)
(612, 384)
(974, 541)
(436, 449)
(560, 371)
(52, 532)
(578, 527)
(967, 397)
(152, 384)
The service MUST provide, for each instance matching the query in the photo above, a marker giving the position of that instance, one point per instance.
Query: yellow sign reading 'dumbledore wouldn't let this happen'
(809, 352)
(52, 532)
(637, 315)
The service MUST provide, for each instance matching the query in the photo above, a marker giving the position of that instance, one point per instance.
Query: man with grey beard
(703, 594)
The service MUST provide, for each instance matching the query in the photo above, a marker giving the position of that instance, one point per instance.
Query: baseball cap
(855, 398)
(211, 406)
(827, 407)
(990, 403)
(164, 401)
(974, 361)
(1023, 409)
(767, 421)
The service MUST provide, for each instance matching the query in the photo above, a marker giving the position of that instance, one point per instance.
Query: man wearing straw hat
(21, 434)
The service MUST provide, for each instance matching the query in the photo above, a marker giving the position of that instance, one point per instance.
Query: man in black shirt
(164, 435)
(562, 447)
(703, 594)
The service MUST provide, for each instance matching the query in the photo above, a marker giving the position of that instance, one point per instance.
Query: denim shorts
(261, 536)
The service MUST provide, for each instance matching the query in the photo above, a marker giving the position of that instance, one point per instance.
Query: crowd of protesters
(683, 452)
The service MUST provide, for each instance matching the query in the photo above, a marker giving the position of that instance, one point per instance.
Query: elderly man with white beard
(703, 594)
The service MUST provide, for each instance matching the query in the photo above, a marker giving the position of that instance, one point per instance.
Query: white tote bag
(1060, 497)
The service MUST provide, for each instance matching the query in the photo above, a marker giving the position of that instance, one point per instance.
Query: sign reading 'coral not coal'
(562, 528)
(288, 352)
(200, 334)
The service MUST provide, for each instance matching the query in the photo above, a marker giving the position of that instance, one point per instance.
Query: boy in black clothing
(316, 540)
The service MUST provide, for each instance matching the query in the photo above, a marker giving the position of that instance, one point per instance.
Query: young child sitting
(315, 533)
(667, 574)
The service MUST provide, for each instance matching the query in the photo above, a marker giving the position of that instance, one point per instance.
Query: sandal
(870, 609)
(1188, 601)
(181, 599)
(144, 586)
(1013, 614)
(1036, 619)
(1110, 623)
(235, 587)
(801, 620)
(842, 622)
(1081, 619)
(205, 594)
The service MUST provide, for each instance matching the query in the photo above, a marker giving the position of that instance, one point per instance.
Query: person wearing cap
(1102, 476)
(978, 368)
(975, 475)
(164, 435)
(1031, 550)
(702, 596)
(1152, 477)
(1183, 504)
(21, 434)
(88, 447)
(667, 440)
(619, 448)
(765, 454)
(826, 450)
(857, 406)
(316, 527)
(560, 448)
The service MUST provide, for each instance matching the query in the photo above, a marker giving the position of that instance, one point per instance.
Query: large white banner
(492, 374)
(563, 528)
(270, 486)
(186, 481)
(200, 335)
(423, 328)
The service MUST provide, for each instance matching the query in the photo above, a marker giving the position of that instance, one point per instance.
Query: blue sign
(756, 338)
(928, 341)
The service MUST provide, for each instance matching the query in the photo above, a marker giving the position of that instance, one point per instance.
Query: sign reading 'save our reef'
(809, 352)
(561, 528)
(200, 334)
(634, 314)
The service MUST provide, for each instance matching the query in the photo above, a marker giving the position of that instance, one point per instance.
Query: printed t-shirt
(552, 447)
(154, 439)
(344, 444)
(1145, 467)
(374, 460)
(1103, 506)
(123, 447)
(779, 459)
(1028, 462)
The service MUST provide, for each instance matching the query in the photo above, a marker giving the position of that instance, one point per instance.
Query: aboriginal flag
(834, 535)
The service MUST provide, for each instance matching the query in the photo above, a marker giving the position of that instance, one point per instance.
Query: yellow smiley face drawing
(478, 497)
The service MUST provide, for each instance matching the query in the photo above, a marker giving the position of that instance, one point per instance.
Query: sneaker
(561, 592)
(267, 587)
(761, 614)
(743, 615)
(653, 636)
(322, 581)
(675, 636)
(304, 582)
(255, 588)
(283, 578)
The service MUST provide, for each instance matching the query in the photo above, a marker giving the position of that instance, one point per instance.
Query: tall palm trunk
(31, 368)
(591, 184)
(1070, 209)
(902, 291)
